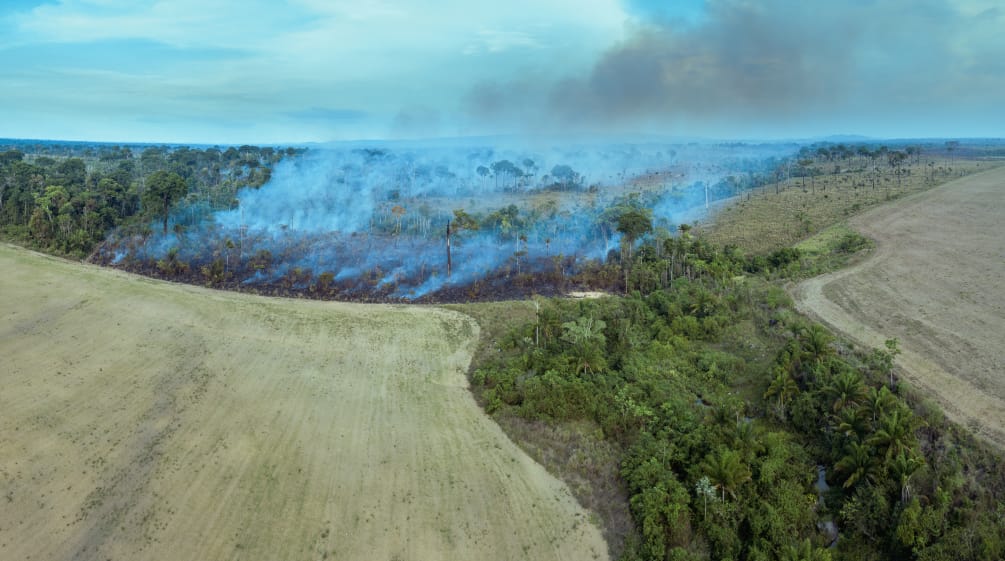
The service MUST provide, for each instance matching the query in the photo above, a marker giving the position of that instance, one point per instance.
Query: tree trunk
(448, 249)
(167, 207)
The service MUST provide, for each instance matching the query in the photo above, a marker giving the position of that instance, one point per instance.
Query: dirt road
(937, 283)
(141, 420)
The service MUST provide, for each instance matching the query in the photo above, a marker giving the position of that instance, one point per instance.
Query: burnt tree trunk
(448, 249)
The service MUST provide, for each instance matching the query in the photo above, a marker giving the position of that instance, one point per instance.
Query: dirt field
(145, 420)
(937, 283)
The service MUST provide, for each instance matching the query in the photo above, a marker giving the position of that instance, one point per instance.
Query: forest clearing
(149, 420)
(936, 283)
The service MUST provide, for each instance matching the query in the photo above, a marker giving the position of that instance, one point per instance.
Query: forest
(68, 197)
(733, 428)
(707, 418)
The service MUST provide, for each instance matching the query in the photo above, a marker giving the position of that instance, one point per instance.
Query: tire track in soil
(936, 282)
(148, 421)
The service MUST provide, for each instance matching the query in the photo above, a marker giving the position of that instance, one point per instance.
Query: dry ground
(774, 217)
(146, 420)
(937, 283)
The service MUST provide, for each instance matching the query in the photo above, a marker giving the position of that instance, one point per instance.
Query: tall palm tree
(586, 338)
(895, 434)
(746, 438)
(852, 423)
(782, 387)
(858, 464)
(878, 401)
(726, 469)
(902, 467)
(815, 342)
(846, 389)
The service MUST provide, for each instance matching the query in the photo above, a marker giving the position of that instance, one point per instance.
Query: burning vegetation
(440, 223)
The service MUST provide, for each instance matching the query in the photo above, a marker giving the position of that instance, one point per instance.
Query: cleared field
(937, 283)
(146, 420)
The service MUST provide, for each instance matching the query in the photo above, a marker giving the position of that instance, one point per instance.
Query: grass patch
(830, 249)
(495, 319)
(776, 217)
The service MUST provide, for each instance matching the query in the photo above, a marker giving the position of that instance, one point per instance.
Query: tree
(784, 388)
(505, 168)
(663, 514)
(896, 160)
(565, 176)
(845, 389)
(633, 224)
(586, 336)
(883, 360)
(902, 467)
(804, 551)
(816, 344)
(951, 146)
(858, 464)
(895, 434)
(162, 190)
(877, 401)
(852, 423)
(726, 469)
(462, 221)
(806, 168)
(706, 491)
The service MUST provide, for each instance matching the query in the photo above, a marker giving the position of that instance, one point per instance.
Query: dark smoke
(760, 67)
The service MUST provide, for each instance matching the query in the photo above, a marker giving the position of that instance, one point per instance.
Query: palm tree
(877, 401)
(784, 388)
(804, 551)
(726, 469)
(816, 343)
(902, 467)
(586, 336)
(846, 389)
(895, 434)
(746, 438)
(852, 423)
(858, 464)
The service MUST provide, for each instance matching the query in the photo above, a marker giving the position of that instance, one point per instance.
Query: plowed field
(142, 420)
(937, 283)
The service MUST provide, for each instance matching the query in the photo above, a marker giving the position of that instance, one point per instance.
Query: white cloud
(498, 41)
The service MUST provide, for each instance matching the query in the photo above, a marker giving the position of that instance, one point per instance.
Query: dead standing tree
(462, 221)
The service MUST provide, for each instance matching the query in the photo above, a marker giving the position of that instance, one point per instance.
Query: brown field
(774, 217)
(936, 282)
(146, 420)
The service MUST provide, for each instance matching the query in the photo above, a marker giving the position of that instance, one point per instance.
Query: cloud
(771, 65)
(498, 41)
(707, 67)
(329, 115)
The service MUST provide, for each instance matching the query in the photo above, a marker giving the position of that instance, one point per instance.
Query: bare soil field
(147, 420)
(936, 282)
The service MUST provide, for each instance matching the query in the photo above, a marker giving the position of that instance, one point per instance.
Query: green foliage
(66, 199)
(162, 190)
(660, 376)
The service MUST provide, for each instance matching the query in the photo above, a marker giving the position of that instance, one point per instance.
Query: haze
(191, 71)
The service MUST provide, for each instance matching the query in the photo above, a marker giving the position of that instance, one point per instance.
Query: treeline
(744, 432)
(65, 198)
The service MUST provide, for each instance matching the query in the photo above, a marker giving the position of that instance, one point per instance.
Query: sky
(258, 72)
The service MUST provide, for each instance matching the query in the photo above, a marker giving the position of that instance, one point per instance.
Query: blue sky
(249, 71)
